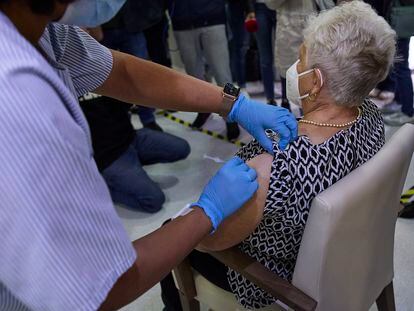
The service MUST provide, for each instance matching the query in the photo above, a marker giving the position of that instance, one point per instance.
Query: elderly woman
(346, 52)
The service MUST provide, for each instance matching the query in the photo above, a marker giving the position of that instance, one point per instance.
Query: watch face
(231, 89)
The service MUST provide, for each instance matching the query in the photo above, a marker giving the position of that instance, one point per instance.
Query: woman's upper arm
(241, 224)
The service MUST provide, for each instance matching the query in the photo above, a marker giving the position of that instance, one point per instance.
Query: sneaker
(243, 90)
(200, 120)
(285, 104)
(386, 96)
(398, 119)
(233, 131)
(374, 93)
(407, 211)
(271, 102)
(391, 108)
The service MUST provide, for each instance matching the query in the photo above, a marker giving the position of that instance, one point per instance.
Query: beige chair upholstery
(218, 299)
(346, 255)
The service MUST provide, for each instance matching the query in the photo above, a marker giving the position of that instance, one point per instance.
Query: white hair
(353, 47)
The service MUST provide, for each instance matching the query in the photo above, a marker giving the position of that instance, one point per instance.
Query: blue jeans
(128, 182)
(238, 43)
(399, 79)
(134, 44)
(266, 20)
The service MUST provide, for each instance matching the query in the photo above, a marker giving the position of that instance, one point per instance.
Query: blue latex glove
(257, 117)
(228, 190)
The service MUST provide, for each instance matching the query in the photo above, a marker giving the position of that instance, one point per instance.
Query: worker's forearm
(137, 81)
(158, 253)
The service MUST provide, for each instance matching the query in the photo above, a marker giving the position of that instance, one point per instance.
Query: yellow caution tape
(406, 196)
(173, 118)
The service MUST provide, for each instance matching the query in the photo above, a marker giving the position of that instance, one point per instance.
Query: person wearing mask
(346, 51)
(200, 31)
(62, 245)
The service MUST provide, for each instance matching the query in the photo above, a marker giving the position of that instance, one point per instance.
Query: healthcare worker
(62, 245)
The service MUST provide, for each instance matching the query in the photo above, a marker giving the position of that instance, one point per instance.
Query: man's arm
(138, 81)
(158, 253)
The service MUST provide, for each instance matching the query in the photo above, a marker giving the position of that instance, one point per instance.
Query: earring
(312, 97)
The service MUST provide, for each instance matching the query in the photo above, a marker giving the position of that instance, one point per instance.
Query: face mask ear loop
(320, 74)
(305, 72)
(302, 74)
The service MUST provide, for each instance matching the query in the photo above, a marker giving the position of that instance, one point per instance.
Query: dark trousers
(399, 79)
(207, 266)
(157, 43)
(238, 41)
(134, 44)
(266, 20)
(128, 182)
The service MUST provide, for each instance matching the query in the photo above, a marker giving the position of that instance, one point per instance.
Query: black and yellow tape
(406, 196)
(173, 118)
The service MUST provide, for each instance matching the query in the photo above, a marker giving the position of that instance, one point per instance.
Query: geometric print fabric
(298, 175)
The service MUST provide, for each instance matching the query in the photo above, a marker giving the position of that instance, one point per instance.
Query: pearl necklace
(332, 124)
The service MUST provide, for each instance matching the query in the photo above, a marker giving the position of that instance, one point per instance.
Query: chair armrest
(265, 279)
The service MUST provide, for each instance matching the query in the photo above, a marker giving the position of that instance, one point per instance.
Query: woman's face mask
(91, 13)
(292, 84)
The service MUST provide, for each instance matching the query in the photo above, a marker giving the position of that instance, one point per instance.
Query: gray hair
(353, 47)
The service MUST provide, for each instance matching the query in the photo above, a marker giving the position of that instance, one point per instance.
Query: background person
(266, 20)
(237, 12)
(125, 32)
(200, 31)
(121, 152)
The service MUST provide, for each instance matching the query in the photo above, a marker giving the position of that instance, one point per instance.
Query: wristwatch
(230, 94)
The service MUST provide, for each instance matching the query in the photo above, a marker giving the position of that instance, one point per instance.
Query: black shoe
(200, 120)
(285, 104)
(233, 131)
(407, 211)
(271, 102)
(134, 109)
(153, 126)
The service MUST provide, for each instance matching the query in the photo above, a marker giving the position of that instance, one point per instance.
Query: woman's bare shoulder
(241, 224)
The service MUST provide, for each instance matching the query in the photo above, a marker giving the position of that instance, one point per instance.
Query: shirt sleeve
(62, 244)
(89, 62)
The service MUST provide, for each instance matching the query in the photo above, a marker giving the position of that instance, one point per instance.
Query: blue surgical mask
(91, 13)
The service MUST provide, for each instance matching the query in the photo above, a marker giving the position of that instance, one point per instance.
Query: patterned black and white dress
(298, 174)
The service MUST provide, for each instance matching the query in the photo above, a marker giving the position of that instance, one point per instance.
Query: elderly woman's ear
(317, 81)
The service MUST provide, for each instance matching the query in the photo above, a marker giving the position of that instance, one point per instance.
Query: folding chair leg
(185, 281)
(385, 301)
(189, 304)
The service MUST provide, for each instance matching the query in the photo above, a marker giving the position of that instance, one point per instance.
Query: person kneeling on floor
(121, 152)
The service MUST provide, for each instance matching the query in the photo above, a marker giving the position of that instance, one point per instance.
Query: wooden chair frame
(263, 278)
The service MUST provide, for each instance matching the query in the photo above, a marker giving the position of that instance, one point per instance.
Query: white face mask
(292, 84)
(91, 13)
